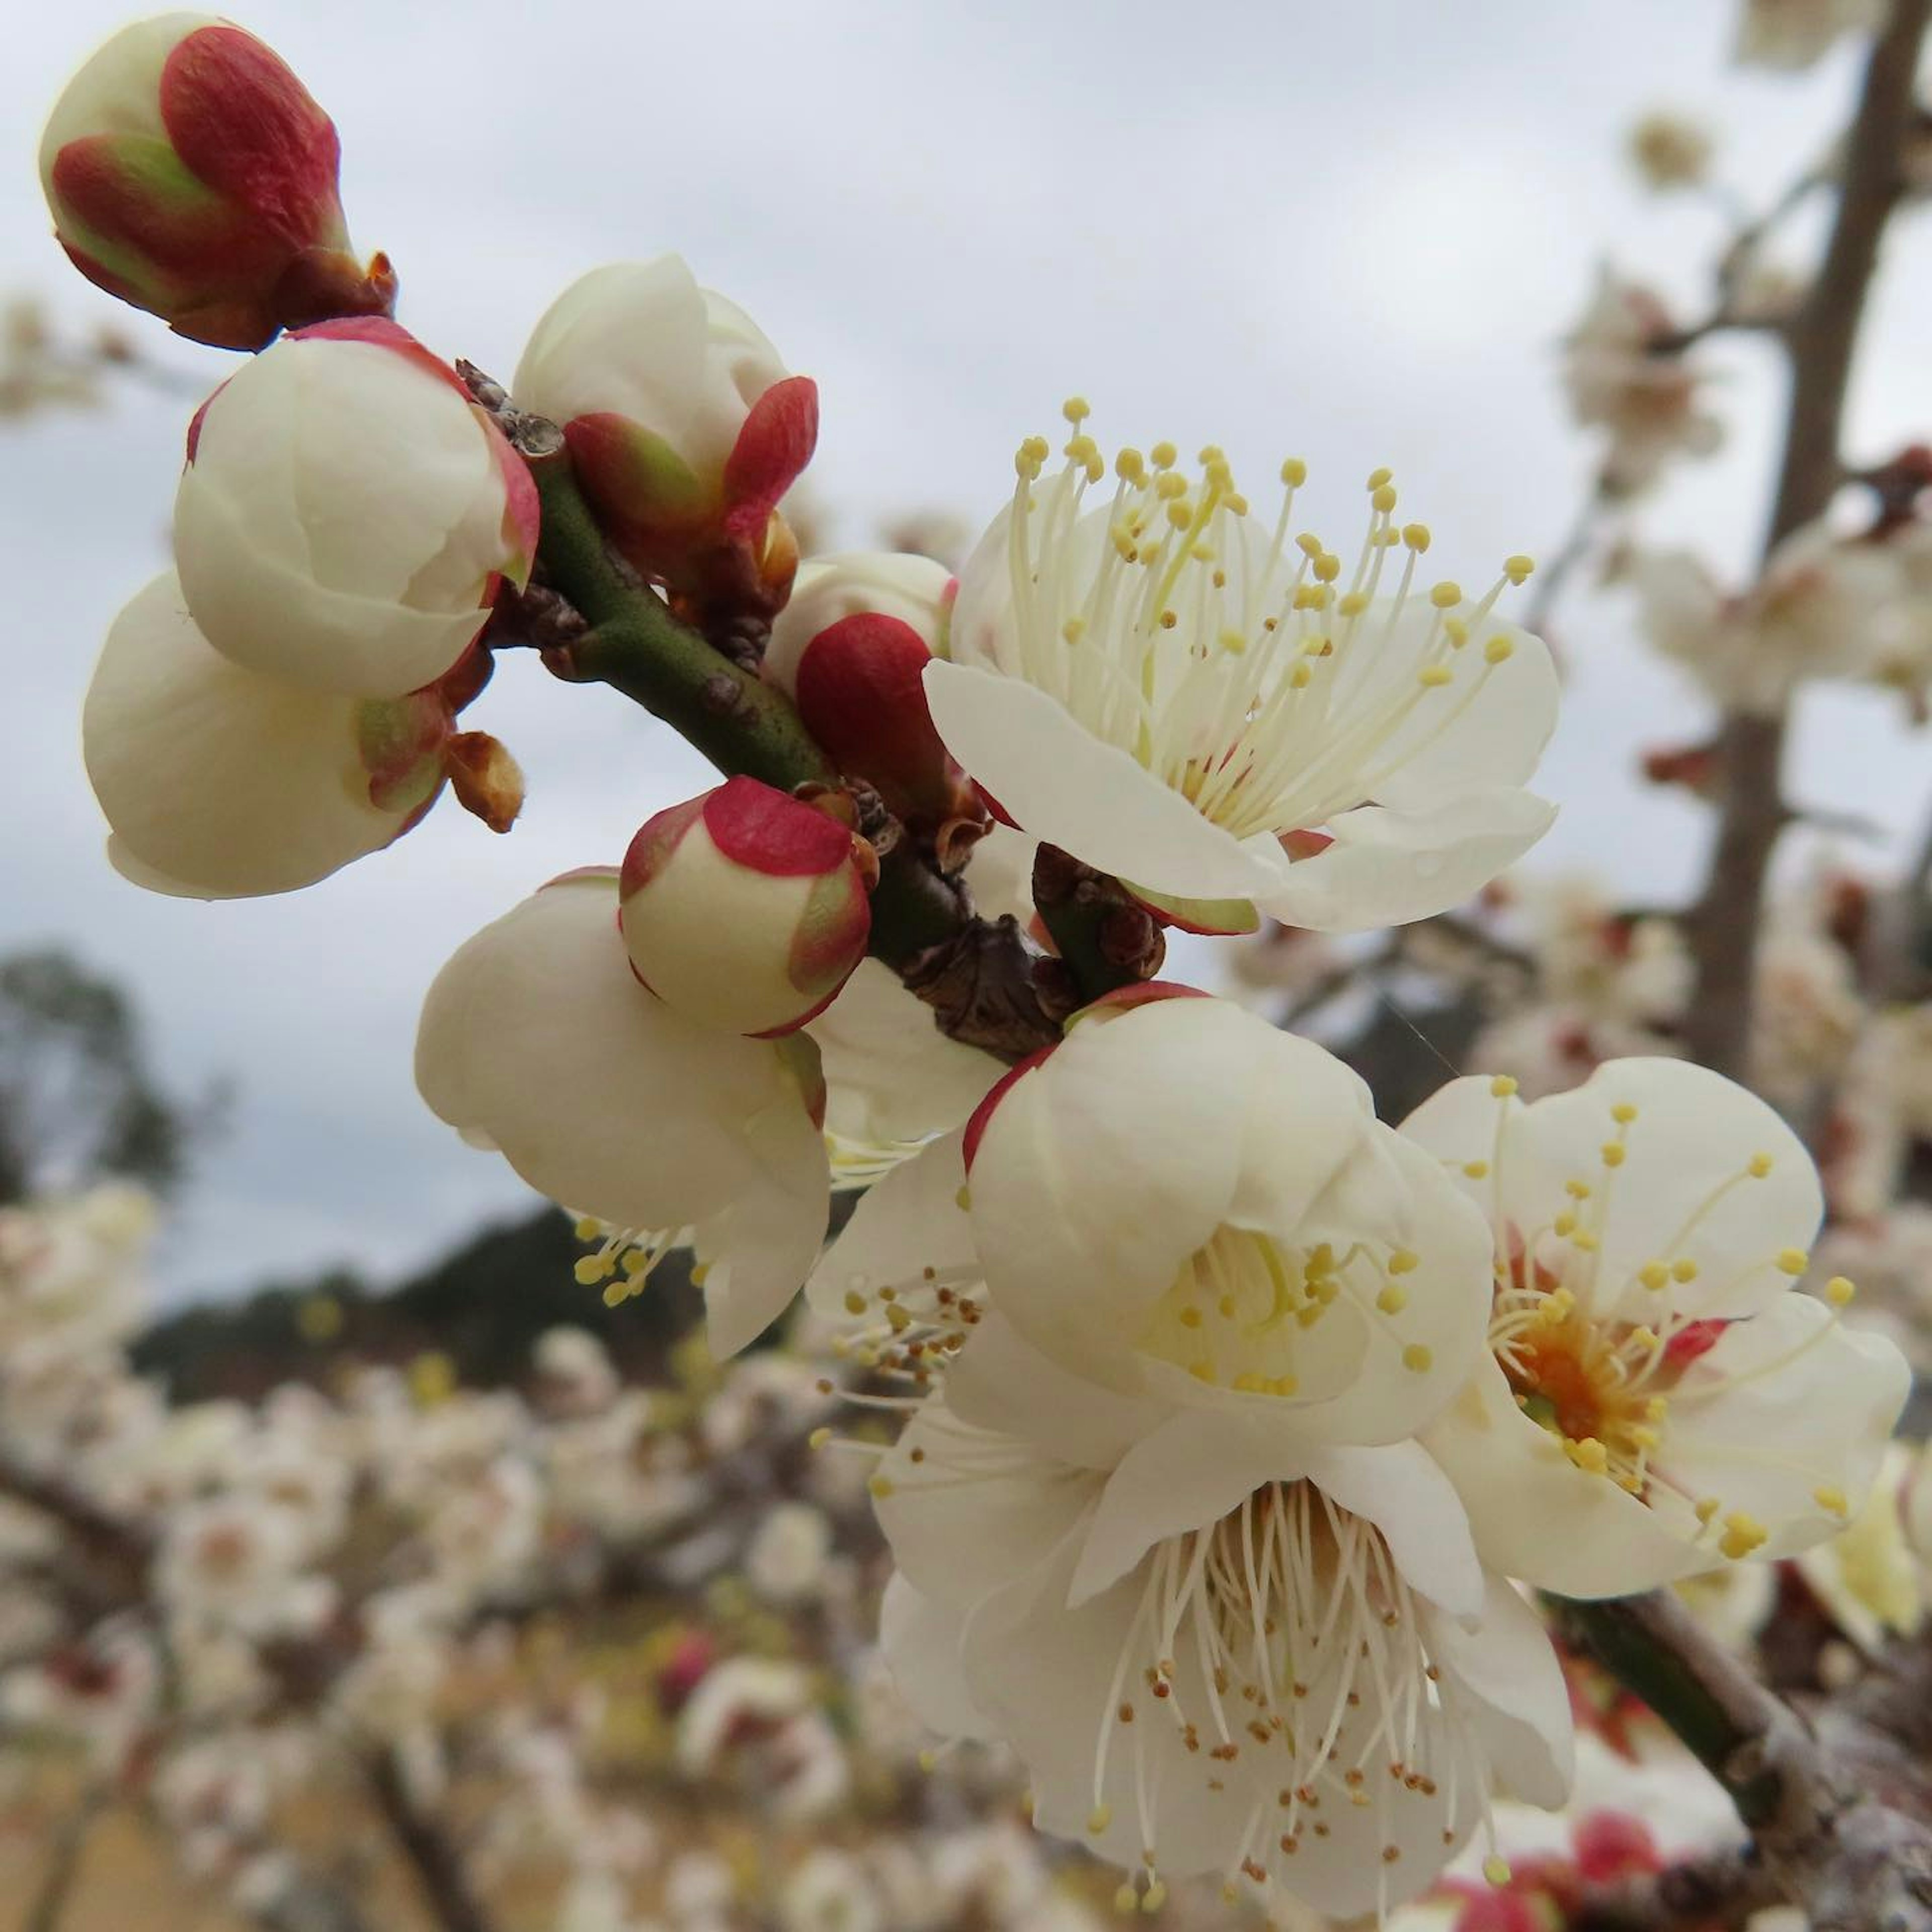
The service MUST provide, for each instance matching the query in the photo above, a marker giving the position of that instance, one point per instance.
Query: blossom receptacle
(745, 909)
(219, 783)
(684, 428)
(1165, 685)
(537, 1040)
(189, 173)
(348, 515)
(1658, 1397)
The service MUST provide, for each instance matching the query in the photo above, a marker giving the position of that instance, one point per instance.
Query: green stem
(636, 645)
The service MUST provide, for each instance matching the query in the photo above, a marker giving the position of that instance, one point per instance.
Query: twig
(1854, 1863)
(435, 1861)
(1821, 335)
(56, 1889)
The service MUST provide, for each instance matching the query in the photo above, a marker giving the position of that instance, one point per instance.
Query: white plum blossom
(537, 1039)
(787, 1559)
(348, 514)
(1622, 377)
(1657, 1398)
(1179, 1202)
(219, 783)
(1823, 607)
(1217, 1645)
(1213, 707)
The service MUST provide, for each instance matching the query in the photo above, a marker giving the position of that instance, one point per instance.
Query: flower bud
(348, 515)
(743, 909)
(189, 173)
(219, 784)
(685, 429)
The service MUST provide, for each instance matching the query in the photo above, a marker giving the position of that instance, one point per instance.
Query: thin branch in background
(48, 1906)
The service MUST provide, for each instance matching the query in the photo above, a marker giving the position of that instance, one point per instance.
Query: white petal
(1536, 1516)
(217, 781)
(903, 1224)
(1060, 783)
(1509, 1666)
(1400, 1489)
(1386, 868)
(921, 1638)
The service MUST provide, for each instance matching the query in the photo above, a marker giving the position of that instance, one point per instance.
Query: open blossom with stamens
(537, 1039)
(1217, 1644)
(1620, 378)
(1657, 1399)
(1180, 1202)
(1213, 707)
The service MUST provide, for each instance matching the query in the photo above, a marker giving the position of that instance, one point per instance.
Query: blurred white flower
(1793, 33)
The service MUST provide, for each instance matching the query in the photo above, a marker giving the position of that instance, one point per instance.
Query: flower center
(1232, 662)
(1247, 1311)
(1286, 1650)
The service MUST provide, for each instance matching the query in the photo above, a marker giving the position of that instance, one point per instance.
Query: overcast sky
(1351, 233)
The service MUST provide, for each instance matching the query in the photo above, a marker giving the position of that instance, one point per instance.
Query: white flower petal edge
(1207, 1667)
(1180, 1202)
(1178, 695)
(536, 1039)
(218, 783)
(1658, 1399)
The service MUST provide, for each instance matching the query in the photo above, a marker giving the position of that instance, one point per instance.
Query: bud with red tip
(189, 173)
(683, 426)
(743, 909)
(851, 648)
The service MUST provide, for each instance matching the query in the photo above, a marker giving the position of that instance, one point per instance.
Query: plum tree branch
(1821, 337)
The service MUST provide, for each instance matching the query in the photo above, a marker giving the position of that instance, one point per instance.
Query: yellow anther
(1793, 1261)
(818, 1439)
(592, 1269)
(1839, 1291)
(1283, 1385)
(1299, 677)
(1309, 544)
(1074, 629)
(1656, 1408)
(1201, 1371)
(1457, 631)
(1163, 455)
(1623, 1113)
(1588, 1454)
(1828, 1498)
(1248, 1383)
(1127, 1901)
(1759, 1166)
(1502, 1087)
(1100, 1818)
(1496, 1869)
(1403, 1260)
(1654, 1274)
(1378, 479)
(1577, 1189)
(1565, 1224)
(1155, 1896)
(1613, 1153)
(1225, 1305)
(697, 1274)
(1076, 408)
(589, 1228)
(1742, 1534)
(1211, 453)
(1643, 1437)
(1294, 472)
(855, 1302)
(1417, 1359)
(1130, 466)
(1169, 484)
(1684, 1269)
(1585, 1239)
(1382, 500)
(1516, 568)
(1416, 535)
(881, 1487)
(963, 1199)
(1499, 648)
(1238, 504)
(1706, 1508)
(1353, 604)
(1392, 1301)
(1645, 1337)
(897, 1320)
(1432, 677)
(1326, 568)
(1477, 1170)
(1446, 595)
(1555, 1308)
(1190, 1318)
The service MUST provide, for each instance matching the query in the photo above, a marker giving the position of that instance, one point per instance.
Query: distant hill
(482, 1306)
